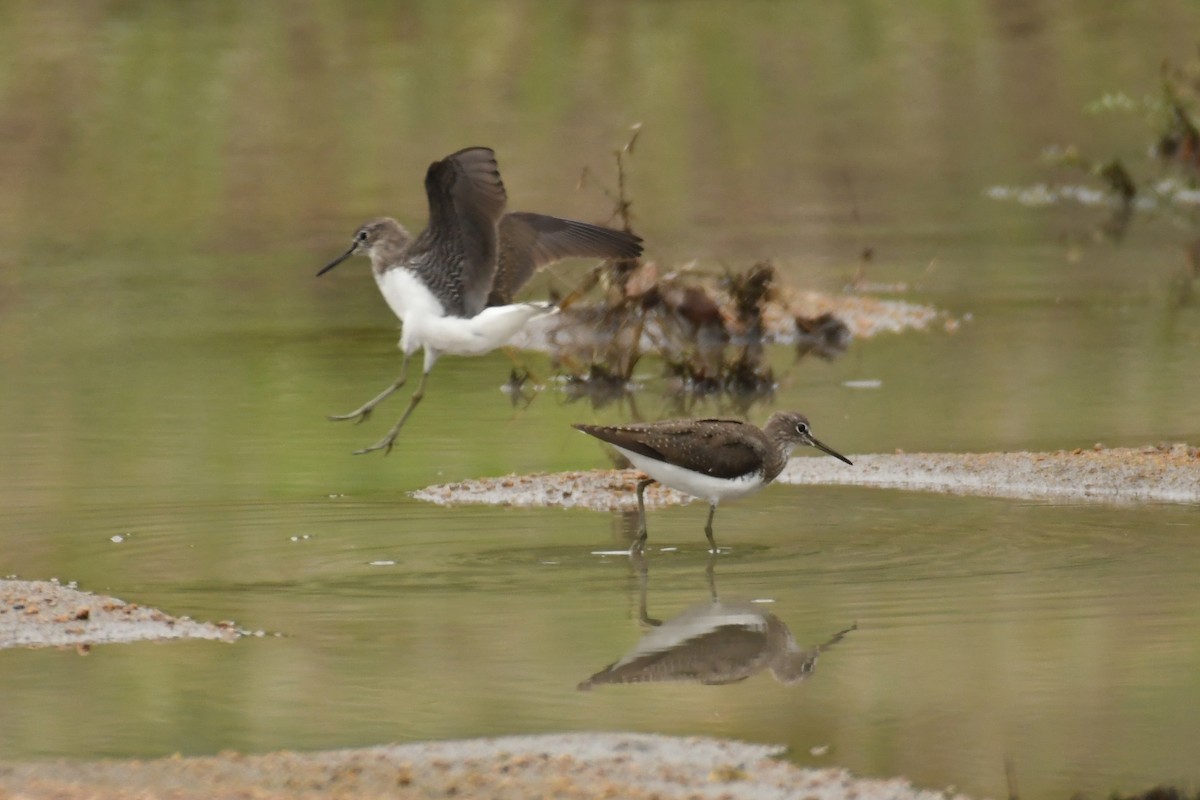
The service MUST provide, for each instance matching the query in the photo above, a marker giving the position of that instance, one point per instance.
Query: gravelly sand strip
(48, 614)
(578, 765)
(598, 489)
(1163, 473)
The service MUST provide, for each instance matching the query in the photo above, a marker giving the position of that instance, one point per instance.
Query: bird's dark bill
(826, 449)
(336, 261)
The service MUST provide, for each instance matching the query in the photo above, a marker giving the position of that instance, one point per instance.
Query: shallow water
(168, 359)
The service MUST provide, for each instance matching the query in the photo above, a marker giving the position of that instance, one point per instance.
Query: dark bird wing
(456, 253)
(529, 242)
(722, 448)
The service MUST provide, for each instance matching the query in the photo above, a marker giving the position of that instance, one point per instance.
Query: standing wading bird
(452, 286)
(712, 459)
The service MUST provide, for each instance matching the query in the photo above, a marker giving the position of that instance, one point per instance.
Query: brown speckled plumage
(740, 454)
(721, 448)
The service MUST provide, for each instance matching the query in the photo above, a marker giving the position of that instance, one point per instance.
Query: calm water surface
(176, 176)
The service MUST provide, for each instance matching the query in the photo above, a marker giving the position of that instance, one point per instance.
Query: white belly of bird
(487, 330)
(706, 487)
(426, 323)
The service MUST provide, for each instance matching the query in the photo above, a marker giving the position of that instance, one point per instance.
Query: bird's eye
(361, 236)
(802, 428)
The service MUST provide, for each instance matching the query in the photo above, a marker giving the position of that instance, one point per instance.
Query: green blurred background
(175, 173)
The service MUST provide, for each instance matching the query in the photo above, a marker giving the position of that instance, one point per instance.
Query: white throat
(406, 295)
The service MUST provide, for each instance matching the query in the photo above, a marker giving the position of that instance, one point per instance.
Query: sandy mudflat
(1163, 473)
(48, 614)
(598, 489)
(579, 765)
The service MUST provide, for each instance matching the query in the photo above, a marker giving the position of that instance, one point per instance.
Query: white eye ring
(801, 429)
(361, 236)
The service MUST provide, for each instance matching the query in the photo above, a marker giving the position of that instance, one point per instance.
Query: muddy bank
(1162, 473)
(564, 766)
(48, 614)
(598, 489)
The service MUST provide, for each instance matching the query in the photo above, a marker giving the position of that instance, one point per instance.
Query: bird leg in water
(639, 565)
(360, 414)
(712, 509)
(711, 573)
(640, 541)
(385, 444)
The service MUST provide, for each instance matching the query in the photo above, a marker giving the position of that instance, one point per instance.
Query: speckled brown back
(722, 448)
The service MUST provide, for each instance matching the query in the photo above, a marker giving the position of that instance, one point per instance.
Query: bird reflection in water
(714, 642)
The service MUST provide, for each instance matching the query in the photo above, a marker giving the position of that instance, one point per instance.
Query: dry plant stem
(586, 285)
(514, 355)
(634, 348)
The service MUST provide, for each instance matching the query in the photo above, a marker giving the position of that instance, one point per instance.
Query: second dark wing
(529, 242)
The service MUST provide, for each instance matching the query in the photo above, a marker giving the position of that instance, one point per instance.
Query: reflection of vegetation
(710, 343)
(710, 336)
(172, 170)
(1175, 149)
(1179, 143)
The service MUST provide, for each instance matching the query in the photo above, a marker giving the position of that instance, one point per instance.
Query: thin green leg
(640, 542)
(361, 413)
(386, 442)
(712, 543)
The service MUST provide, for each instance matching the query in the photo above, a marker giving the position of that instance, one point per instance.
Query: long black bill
(826, 449)
(337, 261)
